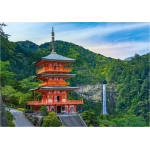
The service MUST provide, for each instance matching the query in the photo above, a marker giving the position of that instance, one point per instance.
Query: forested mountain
(28, 45)
(131, 77)
(128, 58)
(21, 59)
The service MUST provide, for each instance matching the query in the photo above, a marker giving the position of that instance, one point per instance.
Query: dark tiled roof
(56, 88)
(57, 57)
(61, 75)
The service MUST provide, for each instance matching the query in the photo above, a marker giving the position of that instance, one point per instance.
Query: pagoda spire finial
(53, 50)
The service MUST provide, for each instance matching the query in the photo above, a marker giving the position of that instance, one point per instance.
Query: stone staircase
(72, 120)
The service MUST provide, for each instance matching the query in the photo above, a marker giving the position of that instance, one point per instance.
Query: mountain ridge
(28, 45)
(130, 78)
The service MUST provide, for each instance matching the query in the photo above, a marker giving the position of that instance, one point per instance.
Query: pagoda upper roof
(56, 88)
(57, 57)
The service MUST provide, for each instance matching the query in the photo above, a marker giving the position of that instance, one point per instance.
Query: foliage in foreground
(124, 120)
(21, 109)
(11, 124)
(51, 120)
(9, 115)
(130, 121)
(89, 117)
(130, 77)
(43, 110)
(10, 118)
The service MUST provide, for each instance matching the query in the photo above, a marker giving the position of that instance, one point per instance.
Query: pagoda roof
(55, 88)
(53, 57)
(56, 75)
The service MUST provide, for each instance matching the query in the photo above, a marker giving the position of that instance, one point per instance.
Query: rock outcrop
(3, 118)
(95, 92)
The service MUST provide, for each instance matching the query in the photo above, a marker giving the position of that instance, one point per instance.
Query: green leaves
(10, 118)
(130, 121)
(20, 94)
(51, 120)
(89, 117)
(5, 74)
(43, 110)
(9, 115)
(28, 83)
(130, 77)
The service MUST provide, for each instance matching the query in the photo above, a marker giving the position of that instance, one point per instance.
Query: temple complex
(53, 70)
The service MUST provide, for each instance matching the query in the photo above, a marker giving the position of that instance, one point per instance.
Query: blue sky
(111, 39)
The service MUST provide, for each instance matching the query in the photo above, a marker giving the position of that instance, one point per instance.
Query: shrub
(106, 123)
(90, 117)
(21, 109)
(11, 124)
(91, 125)
(10, 118)
(51, 120)
(130, 121)
(62, 127)
(101, 125)
(44, 111)
(9, 115)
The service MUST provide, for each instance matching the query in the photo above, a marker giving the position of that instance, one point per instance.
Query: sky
(111, 39)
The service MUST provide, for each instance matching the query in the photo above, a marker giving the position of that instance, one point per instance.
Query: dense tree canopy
(130, 77)
(51, 120)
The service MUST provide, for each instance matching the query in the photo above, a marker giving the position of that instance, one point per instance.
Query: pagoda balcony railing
(54, 83)
(55, 103)
(45, 69)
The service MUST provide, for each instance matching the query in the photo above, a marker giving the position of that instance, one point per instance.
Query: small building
(53, 70)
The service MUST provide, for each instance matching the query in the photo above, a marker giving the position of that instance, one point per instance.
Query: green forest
(131, 107)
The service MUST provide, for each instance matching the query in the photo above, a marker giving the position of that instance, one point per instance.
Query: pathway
(20, 119)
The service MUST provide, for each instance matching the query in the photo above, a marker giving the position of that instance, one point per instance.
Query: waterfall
(104, 99)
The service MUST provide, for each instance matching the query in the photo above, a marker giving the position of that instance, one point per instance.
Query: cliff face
(95, 92)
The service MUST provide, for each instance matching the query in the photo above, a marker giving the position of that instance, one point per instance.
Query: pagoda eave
(44, 88)
(68, 102)
(55, 57)
(42, 76)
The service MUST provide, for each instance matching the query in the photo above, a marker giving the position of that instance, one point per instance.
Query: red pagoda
(53, 70)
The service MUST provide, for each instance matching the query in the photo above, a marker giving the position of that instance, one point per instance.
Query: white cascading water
(104, 99)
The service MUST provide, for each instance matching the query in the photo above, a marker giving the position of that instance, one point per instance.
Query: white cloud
(120, 50)
(41, 32)
(79, 34)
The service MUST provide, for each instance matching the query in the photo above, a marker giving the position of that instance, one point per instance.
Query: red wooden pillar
(68, 109)
(55, 108)
(74, 108)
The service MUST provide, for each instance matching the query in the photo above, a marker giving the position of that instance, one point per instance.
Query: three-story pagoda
(53, 70)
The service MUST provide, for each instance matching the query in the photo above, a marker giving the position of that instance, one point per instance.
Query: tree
(43, 110)
(28, 83)
(23, 98)
(9, 93)
(51, 120)
(90, 117)
(130, 121)
(5, 74)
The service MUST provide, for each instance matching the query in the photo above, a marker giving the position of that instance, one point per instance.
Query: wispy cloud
(99, 30)
(117, 40)
(121, 50)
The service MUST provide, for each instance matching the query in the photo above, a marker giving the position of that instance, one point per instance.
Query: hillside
(127, 81)
(21, 59)
(28, 45)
